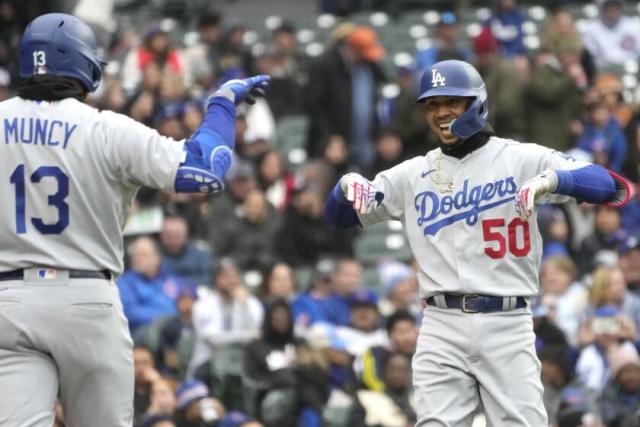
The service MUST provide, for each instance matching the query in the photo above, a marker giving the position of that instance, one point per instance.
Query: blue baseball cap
(392, 273)
(190, 391)
(628, 244)
(447, 18)
(363, 296)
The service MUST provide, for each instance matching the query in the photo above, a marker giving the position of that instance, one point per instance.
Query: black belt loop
(474, 303)
(73, 274)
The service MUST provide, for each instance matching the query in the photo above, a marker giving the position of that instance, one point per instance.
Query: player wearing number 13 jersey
(468, 212)
(68, 173)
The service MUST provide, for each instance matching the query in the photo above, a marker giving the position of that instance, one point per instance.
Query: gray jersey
(69, 174)
(460, 216)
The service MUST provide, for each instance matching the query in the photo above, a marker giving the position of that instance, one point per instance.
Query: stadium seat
(382, 240)
(291, 137)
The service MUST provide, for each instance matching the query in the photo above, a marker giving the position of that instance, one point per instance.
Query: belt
(478, 303)
(73, 274)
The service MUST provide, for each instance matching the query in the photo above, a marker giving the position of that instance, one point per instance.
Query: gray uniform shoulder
(516, 146)
(506, 142)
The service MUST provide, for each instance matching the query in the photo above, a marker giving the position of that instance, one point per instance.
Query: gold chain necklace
(443, 187)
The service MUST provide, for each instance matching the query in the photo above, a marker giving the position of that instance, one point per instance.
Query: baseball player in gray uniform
(468, 209)
(68, 176)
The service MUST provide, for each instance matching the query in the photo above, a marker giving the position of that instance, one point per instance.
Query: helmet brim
(446, 91)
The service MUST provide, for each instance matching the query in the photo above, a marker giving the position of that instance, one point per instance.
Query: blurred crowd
(247, 310)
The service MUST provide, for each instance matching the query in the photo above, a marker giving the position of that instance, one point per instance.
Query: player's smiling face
(441, 111)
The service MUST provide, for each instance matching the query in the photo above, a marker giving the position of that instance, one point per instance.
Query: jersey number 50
(492, 233)
(56, 200)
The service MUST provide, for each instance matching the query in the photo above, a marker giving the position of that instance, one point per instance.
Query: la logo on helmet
(437, 79)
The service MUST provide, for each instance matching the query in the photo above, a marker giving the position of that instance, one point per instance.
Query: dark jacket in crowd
(303, 239)
(616, 405)
(329, 101)
(552, 101)
(258, 365)
(249, 244)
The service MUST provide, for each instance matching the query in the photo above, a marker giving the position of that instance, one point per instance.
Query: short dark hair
(398, 316)
(285, 27)
(209, 19)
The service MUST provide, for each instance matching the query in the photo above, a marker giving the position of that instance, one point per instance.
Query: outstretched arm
(353, 193)
(592, 184)
(207, 154)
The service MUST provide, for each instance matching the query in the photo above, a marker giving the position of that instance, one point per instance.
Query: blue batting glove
(238, 90)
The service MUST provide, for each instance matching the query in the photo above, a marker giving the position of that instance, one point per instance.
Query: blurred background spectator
(611, 37)
(147, 289)
(181, 256)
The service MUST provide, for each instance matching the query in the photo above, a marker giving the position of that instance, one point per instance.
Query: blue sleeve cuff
(591, 184)
(209, 151)
(339, 195)
(338, 210)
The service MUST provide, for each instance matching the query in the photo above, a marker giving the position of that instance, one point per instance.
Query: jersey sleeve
(391, 183)
(137, 155)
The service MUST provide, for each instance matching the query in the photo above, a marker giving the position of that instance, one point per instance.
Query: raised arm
(207, 154)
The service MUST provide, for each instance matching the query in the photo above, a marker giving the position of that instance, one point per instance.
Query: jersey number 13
(56, 200)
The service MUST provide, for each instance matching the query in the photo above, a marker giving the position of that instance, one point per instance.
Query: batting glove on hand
(246, 90)
(531, 190)
(361, 192)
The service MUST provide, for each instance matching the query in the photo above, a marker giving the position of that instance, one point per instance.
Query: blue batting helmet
(458, 78)
(61, 45)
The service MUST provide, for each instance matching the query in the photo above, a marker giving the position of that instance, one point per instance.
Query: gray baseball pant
(68, 339)
(463, 360)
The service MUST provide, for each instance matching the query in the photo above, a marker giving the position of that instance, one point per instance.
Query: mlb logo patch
(47, 273)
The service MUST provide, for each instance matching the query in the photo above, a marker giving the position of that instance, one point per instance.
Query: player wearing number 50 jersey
(68, 173)
(468, 211)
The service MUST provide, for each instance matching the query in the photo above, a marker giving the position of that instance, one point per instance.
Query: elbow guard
(205, 162)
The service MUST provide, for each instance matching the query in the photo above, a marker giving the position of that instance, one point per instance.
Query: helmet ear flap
(472, 120)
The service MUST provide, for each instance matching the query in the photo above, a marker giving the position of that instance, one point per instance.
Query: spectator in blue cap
(400, 287)
(365, 328)
(189, 392)
(363, 307)
(194, 407)
(168, 120)
(447, 43)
